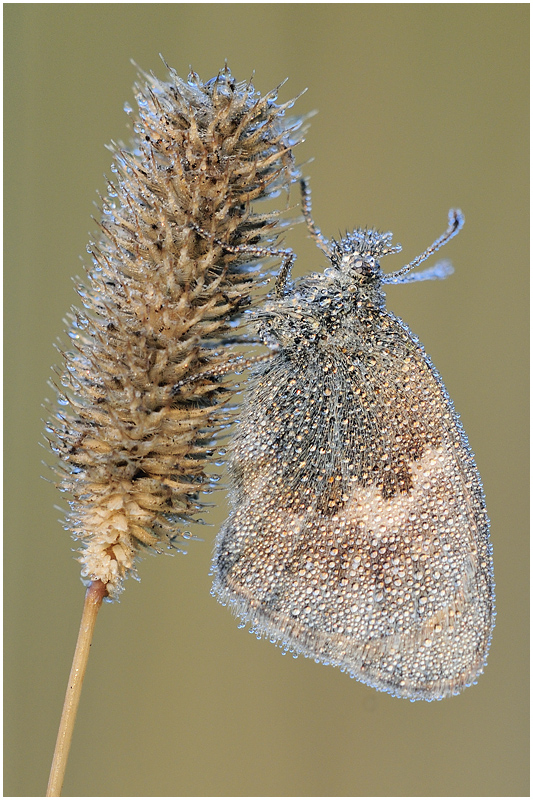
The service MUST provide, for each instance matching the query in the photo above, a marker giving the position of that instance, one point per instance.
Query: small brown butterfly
(358, 534)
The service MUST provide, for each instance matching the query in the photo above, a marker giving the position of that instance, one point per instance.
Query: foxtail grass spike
(142, 388)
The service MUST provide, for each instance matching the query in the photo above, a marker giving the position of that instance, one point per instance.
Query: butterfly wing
(358, 534)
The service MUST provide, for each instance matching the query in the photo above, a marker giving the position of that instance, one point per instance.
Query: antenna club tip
(456, 219)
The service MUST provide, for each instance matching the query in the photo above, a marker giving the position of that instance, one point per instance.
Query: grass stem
(93, 600)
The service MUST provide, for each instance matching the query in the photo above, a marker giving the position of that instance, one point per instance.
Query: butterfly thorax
(347, 299)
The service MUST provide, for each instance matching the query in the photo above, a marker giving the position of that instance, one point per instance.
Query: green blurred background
(421, 108)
